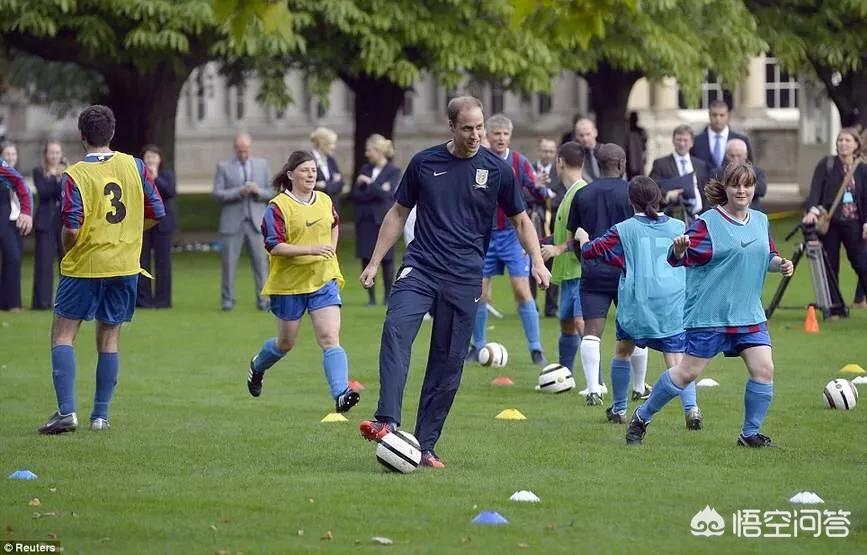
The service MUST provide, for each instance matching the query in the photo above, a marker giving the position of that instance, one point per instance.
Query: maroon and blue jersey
(526, 176)
(12, 180)
(72, 209)
(455, 200)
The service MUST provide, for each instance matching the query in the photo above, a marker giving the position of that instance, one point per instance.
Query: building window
(496, 98)
(240, 104)
(544, 103)
(407, 107)
(781, 88)
(201, 104)
(711, 90)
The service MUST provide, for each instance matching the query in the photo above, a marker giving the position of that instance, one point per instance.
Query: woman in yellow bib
(300, 230)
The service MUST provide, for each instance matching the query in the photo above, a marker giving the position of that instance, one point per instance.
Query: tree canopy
(827, 39)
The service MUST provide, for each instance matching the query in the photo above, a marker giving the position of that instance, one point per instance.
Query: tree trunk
(849, 94)
(377, 101)
(609, 96)
(145, 107)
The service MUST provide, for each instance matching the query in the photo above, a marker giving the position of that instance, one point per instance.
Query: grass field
(193, 464)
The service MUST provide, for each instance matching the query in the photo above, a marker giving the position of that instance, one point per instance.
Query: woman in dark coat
(157, 241)
(373, 194)
(47, 179)
(849, 220)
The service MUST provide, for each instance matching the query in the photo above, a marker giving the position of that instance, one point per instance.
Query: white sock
(590, 347)
(639, 369)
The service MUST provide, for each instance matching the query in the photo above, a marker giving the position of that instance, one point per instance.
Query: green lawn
(193, 464)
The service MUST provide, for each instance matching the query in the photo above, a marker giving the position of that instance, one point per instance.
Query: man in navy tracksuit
(455, 188)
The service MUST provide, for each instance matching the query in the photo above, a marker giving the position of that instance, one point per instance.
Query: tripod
(826, 290)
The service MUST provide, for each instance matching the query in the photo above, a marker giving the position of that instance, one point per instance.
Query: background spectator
(157, 241)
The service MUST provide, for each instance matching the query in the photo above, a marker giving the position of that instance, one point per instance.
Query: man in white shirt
(667, 169)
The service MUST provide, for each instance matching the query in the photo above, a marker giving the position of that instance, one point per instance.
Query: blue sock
(336, 370)
(268, 355)
(530, 320)
(687, 397)
(568, 348)
(63, 375)
(621, 372)
(664, 390)
(107, 367)
(757, 399)
(480, 327)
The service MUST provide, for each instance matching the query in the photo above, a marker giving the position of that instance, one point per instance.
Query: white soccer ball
(493, 355)
(555, 378)
(399, 452)
(840, 394)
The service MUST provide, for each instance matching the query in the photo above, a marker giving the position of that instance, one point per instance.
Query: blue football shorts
(570, 299)
(505, 251)
(293, 307)
(672, 344)
(109, 300)
(595, 304)
(708, 344)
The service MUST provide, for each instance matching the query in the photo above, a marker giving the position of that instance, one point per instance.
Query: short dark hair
(610, 157)
(683, 130)
(96, 125)
(460, 103)
(281, 180)
(572, 154)
(718, 103)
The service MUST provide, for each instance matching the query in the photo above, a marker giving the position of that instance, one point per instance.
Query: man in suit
(585, 135)
(736, 153)
(241, 185)
(679, 163)
(546, 173)
(710, 144)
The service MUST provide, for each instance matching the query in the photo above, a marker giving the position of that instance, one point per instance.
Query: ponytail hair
(281, 181)
(383, 145)
(645, 196)
(715, 190)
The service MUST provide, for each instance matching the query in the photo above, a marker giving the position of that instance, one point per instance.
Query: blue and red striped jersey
(14, 181)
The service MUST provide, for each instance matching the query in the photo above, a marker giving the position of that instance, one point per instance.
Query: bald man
(241, 184)
(737, 152)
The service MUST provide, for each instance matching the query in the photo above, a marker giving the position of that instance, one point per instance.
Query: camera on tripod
(826, 290)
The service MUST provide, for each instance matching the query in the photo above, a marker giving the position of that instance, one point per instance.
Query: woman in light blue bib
(727, 253)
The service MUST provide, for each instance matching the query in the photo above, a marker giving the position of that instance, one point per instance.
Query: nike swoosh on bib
(747, 243)
(437, 174)
(314, 222)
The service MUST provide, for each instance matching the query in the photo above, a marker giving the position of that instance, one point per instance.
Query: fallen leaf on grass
(52, 536)
(466, 539)
(34, 502)
(43, 515)
(300, 532)
(214, 528)
(222, 552)
(523, 545)
(9, 528)
(327, 536)
(551, 527)
(381, 540)
(310, 500)
(104, 540)
(52, 490)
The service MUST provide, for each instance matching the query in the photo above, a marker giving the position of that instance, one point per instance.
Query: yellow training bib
(110, 237)
(306, 225)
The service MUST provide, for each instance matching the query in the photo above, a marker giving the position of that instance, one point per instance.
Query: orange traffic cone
(811, 325)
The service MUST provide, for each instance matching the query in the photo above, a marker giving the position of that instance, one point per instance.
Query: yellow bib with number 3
(110, 237)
